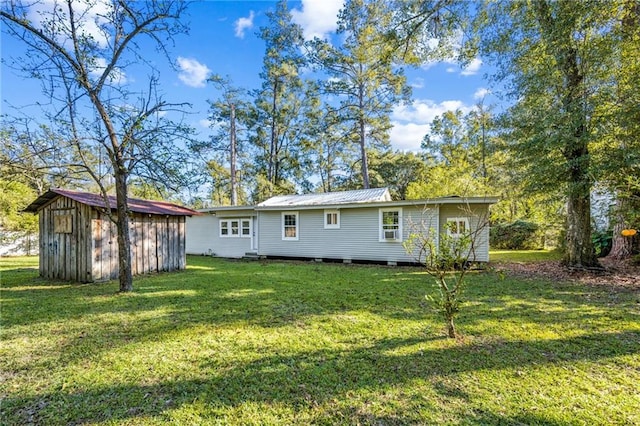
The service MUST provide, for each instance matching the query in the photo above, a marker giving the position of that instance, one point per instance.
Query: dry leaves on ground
(622, 276)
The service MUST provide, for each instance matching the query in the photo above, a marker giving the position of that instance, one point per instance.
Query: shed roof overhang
(94, 200)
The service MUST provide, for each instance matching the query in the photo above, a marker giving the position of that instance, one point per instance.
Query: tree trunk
(621, 246)
(124, 240)
(274, 136)
(363, 139)
(234, 155)
(579, 247)
(451, 328)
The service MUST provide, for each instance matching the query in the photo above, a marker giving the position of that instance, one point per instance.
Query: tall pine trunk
(234, 155)
(363, 138)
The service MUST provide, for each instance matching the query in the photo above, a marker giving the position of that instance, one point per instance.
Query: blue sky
(222, 40)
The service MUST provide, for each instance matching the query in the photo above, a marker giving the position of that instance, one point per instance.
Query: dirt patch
(614, 274)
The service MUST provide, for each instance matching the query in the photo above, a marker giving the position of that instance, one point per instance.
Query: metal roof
(135, 204)
(329, 198)
(387, 204)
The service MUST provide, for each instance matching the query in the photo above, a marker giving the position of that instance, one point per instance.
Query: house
(78, 241)
(350, 226)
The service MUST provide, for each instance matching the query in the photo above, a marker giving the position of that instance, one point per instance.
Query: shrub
(519, 235)
(602, 242)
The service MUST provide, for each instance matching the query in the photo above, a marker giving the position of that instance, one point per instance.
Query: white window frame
(228, 224)
(297, 226)
(382, 229)
(242, 228)
(331, 225)
(226, 227)
(458, 220)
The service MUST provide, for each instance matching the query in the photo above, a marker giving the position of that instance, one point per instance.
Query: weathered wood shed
(78, 241)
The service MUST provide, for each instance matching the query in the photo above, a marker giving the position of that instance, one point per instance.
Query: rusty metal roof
(135, 204)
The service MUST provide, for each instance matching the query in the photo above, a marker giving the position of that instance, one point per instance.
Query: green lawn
(500, 256)
(302, 343)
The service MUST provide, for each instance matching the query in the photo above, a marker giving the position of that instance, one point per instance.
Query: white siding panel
(476, 215)
(356, 239)
(203, 237)
(200, 233)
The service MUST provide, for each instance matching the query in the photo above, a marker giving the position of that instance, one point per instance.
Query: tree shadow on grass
(313, 381)
(271, 295)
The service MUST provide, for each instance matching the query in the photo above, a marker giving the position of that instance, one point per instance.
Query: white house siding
(203, 235)
(356, 239)
(477, 213)
(200, 234)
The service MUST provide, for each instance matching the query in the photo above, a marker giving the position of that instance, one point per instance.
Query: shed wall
(65, 254)
(87, 250)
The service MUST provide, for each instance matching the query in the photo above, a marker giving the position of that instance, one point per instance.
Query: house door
(254, 234)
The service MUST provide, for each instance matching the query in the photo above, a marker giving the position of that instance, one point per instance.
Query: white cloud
(243, 24)
(317, 18)
(90, 15)
(192, 73)
(205, 123)
(408, 136)
(481, 93)
(473, 67)
(116, 76)
(418, 83)
(412, 122)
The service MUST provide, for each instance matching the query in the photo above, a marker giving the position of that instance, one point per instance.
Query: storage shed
(78, 241)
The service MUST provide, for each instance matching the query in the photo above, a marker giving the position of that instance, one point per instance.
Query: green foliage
(554, 77)
(259, 343)
(445, 257)
(602, 242)
(396, 171)
(524, 256)
(518, 235)
(365, 80)
(278, 119)
(15, 196)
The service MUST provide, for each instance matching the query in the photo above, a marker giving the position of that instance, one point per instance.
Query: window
(235, 228)
(331, 219)
(457, 226)
(290, 226)
(391, 224)
(246, 228)
(62, 224)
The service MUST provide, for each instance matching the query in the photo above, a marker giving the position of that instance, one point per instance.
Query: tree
(548, 55)
(363, 76)
(446, 257)
(229, 115)
(81, 51)
(456, 158)
(421, 31)
(397, 171)
(619, 129)
(278, 119)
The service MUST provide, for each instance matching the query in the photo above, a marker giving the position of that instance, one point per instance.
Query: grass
(301, 343)
(526, 256)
